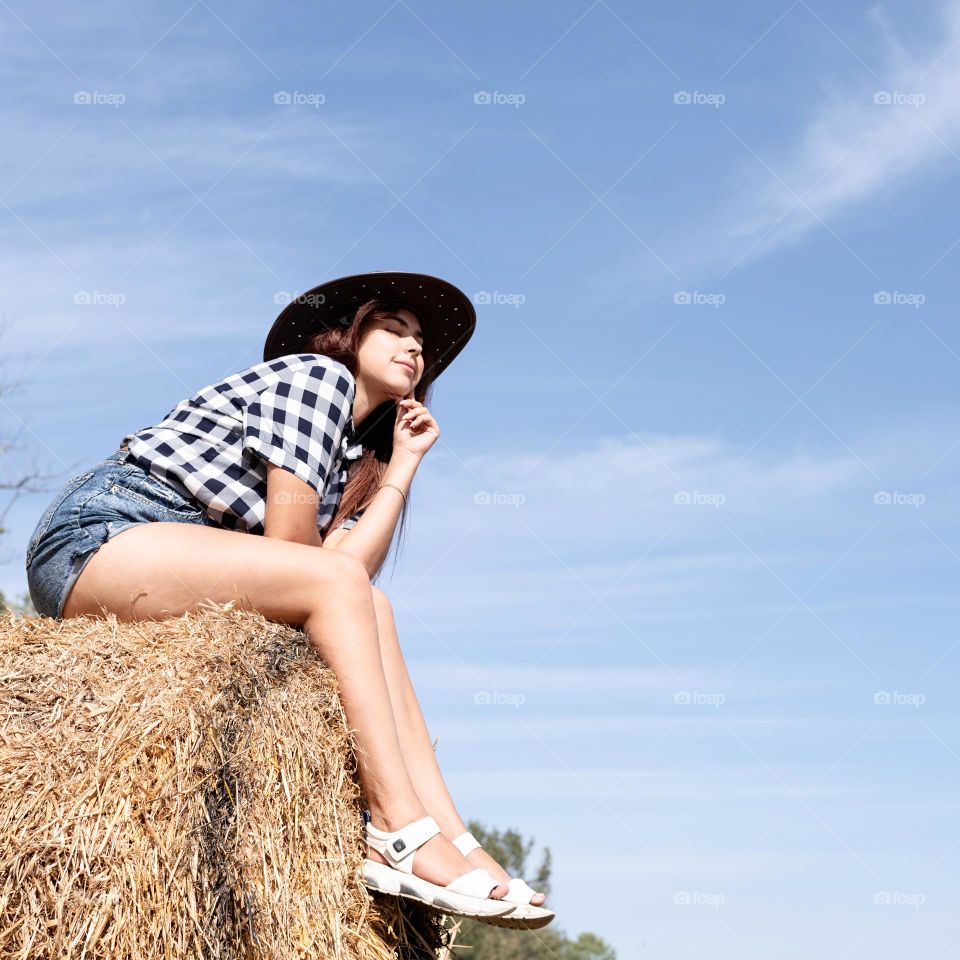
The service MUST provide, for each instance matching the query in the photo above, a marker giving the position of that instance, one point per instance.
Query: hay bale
(182, 788)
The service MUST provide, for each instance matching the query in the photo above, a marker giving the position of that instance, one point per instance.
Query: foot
(440, 862)
(480, 858)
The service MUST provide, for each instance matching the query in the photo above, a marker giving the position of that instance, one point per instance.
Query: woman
(234, 491)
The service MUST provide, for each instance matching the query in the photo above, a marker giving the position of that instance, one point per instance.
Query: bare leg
(415, 742)
(159, 570)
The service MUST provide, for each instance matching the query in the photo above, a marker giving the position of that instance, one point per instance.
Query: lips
(409, 366)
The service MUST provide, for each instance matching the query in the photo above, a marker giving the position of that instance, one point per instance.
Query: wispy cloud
(862, 142)
(147, 214)
(686, 549)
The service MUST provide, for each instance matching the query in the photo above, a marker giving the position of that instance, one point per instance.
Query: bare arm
(292, 505)
(291, 510)
(369, 539)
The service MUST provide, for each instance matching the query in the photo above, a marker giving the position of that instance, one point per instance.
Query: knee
(345, 570)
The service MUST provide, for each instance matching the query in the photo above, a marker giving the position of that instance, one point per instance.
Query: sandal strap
(519, 891)
(476, 883)
(466, 842)
(399, 846)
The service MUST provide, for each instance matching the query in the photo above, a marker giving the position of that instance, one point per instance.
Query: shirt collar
(350, 447)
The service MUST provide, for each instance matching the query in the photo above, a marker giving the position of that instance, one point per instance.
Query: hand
(415, 430)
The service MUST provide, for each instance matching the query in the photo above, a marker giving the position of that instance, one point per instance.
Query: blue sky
(679, 587)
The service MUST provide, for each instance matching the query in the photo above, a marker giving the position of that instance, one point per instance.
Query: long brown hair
(341, 343)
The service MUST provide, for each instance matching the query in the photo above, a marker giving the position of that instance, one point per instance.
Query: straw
(183, 788)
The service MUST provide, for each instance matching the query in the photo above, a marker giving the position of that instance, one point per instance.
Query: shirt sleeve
(299, 421)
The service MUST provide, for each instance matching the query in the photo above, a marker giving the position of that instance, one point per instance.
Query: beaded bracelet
(395, 487)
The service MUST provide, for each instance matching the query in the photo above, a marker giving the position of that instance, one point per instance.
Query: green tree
(481, 941)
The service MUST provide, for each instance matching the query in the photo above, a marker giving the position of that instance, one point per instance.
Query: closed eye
(403, 325)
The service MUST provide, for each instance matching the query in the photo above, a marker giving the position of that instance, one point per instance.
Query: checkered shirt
(295, 411)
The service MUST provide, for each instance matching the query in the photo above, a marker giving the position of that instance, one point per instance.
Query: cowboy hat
(446, 314)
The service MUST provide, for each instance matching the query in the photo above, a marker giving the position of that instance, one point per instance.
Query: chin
(401, 383)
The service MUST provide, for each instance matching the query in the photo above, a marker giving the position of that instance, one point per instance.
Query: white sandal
(526, 916)
(465, 896)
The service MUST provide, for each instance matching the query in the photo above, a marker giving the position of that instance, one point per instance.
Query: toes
(499, 891)
(537, 899)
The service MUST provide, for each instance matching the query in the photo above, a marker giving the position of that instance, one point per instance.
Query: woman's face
(390, 354)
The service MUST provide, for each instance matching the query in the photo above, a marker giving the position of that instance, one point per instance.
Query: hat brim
(446, 314)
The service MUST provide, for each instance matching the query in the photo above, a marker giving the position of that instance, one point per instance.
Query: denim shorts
(89, 509)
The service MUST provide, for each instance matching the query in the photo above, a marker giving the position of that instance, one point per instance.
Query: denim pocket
(71, 486)
(131, 484)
